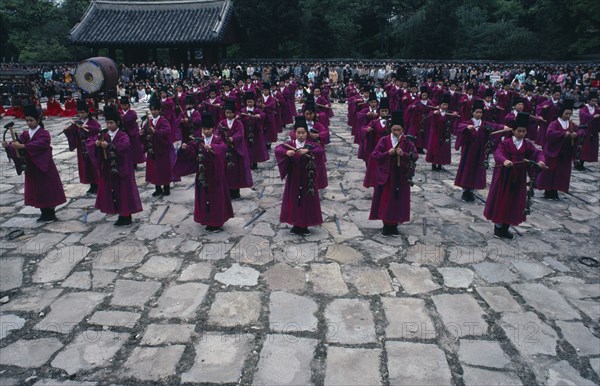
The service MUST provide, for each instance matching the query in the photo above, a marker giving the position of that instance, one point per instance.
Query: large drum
(97, 74)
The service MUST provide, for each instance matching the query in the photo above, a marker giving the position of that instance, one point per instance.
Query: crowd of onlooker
(140, 80)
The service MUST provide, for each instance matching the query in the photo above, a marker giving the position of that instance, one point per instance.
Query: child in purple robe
(206, 157)
(561, 140)
(110, 152)
(77, 134)
(296, 159)
(252, 118)
(506, 201)
(589, 116)
(441, 127)
(132, 129)
(395, 157)
(231, 131)
(473, 138)
(43, 187)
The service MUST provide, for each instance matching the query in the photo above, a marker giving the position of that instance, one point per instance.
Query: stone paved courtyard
(85, 303)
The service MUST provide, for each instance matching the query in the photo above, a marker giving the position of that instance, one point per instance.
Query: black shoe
(158, 191)
(212, 229)
(93, 189)
(434, 167)
(304, 231)
(296, 230)
(548, 194)
(468, 196)
(120, 221)
(42, 216)
(386, 231)
(268, 146)
(166, 190)
(234, 194)
(135, 166)
(578, 165)
(253, 166)
(497, 232)
(395, 231)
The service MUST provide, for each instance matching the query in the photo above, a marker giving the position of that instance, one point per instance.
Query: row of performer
(219, 153)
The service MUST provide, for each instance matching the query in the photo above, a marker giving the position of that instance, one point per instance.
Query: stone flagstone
(131, 293)
(416, 364)
(414, 280)
(292, 313)
(407, 319)
(460, 314)
(235, 309)
(349, 321)
(352, 366)
(238, 276)
(68, 310)
(29, 353)
(152, 363)
(180, 301)
(285, 360)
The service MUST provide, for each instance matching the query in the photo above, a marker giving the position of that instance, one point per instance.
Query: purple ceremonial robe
(43, 187)
(559, 152)
(280, 106)
(532, 128)
(355, 105)
(299, 207)
(255, 135)
(217, 110)
(238, 171)
(508, 191)
(291, 100)
(212, 204)
(370, 136)
(417, 125)
(438, 149)
(465, 107)
(286, 112)
(232, 97)
(328, 112)
(76, 138)
(589, 149)
(548, 111)
(504, 99)
(132, 129)
(168, 112)
(117, 193)
(269, 106)
(391, 197)
(471, 169)
(493, 113)
(529, 104)
(320, 162)
(362, 120)
(190, 122)
(395, 94)
(454, 104)
(160, 164)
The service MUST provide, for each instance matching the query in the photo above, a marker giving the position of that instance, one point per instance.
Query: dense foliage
(36, 30)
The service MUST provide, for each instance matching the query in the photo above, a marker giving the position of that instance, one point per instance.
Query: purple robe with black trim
(76, 138)
(117, 193)
(559, 153)
(589, 149)
(238, 174)
(549, 112)
(438, 150)
(168, 112)
(321, 178)
(507, 196)
(471, 169)
(269, 106)
(299, 207)
(417, 125)
(255, 135)
(212, 204)
(43, 187)
(132, 129)
(391, 197)
(159, 165)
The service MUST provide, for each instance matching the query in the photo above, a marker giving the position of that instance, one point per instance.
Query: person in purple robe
(168, 113)
(549, 110)
(474, 139)
(268, 104)
(287, 115)
(416, 114)
(110, 152)
(231, 131)
(466, 103)
(589, 115)
(506, 201)
(323, 106)
(296, 160)
(252, 118)
(161, 153)
(206, 157)
(374, 131)
(366, 115)
(519, 107)
(213, 104)
(395, 157)
(77, 134)
(43, 187)
(441, 128)
(190, 120)
(561, 142)
(132, 129)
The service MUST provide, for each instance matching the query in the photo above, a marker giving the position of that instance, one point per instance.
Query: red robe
(53, 108)
(269, 106)
(212, 204)
(548, 111)
(440, 129)
(77, 140)
(168, 112)
(159, 164)
(254, 135)
(391, 197)
(589, 150)
(43, 187)
(471, 169)
(300, 207)
(417, 124)
(321, 162)
(506, 200)
(117, 192)
(238, 168)
(132, 129)
(559, 152)
(466, 105)
(70, 108)
(362, 120)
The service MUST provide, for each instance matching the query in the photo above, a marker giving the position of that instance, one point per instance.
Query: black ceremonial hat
(477, 105)
(384, 103)
(299, 121)
(522, 120)
(81, 105)
(111, 114)
(372, 96)
(229, 106)
(397, 118)
(207, 120)
(445, 98)
(567, 105)
(31, 111)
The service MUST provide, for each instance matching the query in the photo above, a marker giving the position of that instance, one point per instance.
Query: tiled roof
(151, 23)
